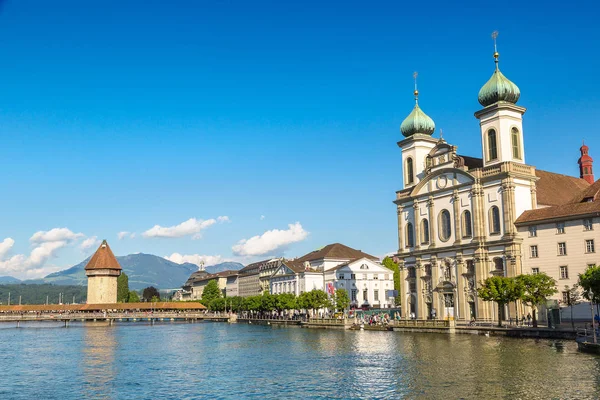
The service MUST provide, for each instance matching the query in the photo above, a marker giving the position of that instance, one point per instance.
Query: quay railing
(101, 315)
(420, 323)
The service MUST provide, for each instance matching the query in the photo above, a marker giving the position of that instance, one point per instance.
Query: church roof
(583, 203)
(335, 251)
(103, 258)
(557, 189)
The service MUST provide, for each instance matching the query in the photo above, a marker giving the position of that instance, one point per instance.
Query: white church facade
(456, 214)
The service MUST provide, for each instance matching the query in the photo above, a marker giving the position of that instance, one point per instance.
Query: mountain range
(143, 270)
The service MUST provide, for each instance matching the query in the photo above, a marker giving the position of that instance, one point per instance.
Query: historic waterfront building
(249, 280)
(226, 280)
(456, 214)
(367, 282)
(102, 272)
(560, 240)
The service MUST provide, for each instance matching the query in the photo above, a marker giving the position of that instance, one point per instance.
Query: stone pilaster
(400, 230)
(457, 224)
(421, 309)
(460, 301)
(508, 208)
(417, 228)
(477, 212)
(403, 290)
(432, 221)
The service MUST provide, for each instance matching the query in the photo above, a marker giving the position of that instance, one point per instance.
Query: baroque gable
(442, 180)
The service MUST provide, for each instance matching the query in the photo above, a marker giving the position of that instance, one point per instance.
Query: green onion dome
(417, 121)
(498, 88)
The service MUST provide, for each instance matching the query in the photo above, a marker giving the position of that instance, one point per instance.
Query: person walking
(528, 319)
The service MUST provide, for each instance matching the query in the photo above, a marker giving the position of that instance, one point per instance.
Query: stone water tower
(102, 271)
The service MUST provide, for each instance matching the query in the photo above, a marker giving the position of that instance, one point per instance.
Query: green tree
(342, 300)
(589, 281)
(133, 297)
(235, 303)
(389, 263)
(252, 303)
(149, 293)
(286, 301)
(211, 291)
(573, 298)
(123, 288)
(536, 289)
(155, 299)
(217, 304)
(268, 302)
(500, 290)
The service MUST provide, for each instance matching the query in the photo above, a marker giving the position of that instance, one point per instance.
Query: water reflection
(98, 362)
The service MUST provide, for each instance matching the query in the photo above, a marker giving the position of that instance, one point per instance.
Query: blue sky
(122, 115)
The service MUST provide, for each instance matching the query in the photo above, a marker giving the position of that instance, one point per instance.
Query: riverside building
(463, 219)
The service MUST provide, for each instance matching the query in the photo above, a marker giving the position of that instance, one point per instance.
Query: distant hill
(8, 280)
(143, 270)
(224, 266)
(38, 294)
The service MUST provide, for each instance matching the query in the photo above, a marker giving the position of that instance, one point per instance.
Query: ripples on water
(221, 361)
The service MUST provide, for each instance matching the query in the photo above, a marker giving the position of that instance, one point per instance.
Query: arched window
(494, 220)
(444, 225)
(492, 147)
(516, 143)
(410, 235)
(410, 173)
(498, 264)
(425, 231)
(467, 226)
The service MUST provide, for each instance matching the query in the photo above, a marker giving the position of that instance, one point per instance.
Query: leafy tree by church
(589, 281)
(134, 297)
(389, 263)
(123, 288)
(501, 290)
(573, 298)
(211, 292)
(342, 300)
(149, 293)
(536, 288)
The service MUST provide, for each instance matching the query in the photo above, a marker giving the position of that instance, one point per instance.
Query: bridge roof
(101, 307)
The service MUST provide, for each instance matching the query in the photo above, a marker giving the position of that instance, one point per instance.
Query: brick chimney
(585, 165)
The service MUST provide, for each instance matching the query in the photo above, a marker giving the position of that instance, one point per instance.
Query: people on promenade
(528, 319)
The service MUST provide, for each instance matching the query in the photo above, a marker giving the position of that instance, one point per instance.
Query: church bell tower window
(516, 147)
(410, 174)
(492, 145)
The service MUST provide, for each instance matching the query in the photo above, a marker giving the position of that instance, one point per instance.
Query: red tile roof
(335, 251)
(103, 258)
(556, 189)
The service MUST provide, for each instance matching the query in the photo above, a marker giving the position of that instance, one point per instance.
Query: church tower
(501, 120)
(585, 165)
(417, 128)
(102, 271)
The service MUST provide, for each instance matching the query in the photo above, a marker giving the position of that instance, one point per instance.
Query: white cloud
(192, 226)
(199, 260)
(45, 246)
(55, 235)
(271, 241)
(262, 217)
(124, 234)
(89, 243)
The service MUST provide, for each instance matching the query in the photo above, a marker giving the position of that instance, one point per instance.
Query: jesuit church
(457, 215)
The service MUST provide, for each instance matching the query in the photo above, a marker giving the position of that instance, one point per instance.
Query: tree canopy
(389, 263)
(342, 300)
(211, 292)
(123, 288)
(501, 290)
(589, 281)
(535, 289)
(134, 297)
(149, 293)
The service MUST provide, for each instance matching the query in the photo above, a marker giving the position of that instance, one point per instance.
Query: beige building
(249, 280)
(225, 280)
(561, 240)
(102, 271)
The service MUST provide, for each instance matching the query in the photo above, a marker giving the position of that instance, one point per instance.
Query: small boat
(586, 343)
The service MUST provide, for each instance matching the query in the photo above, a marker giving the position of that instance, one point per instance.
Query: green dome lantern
(499, 87)
(417, 121)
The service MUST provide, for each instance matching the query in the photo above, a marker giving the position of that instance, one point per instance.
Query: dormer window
(410, 173)
(492, 145)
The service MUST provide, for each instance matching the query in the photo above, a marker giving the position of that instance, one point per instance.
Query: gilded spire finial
(415, 74)
(496, 54)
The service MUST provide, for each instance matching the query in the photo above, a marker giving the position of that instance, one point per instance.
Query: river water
(223, 361)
